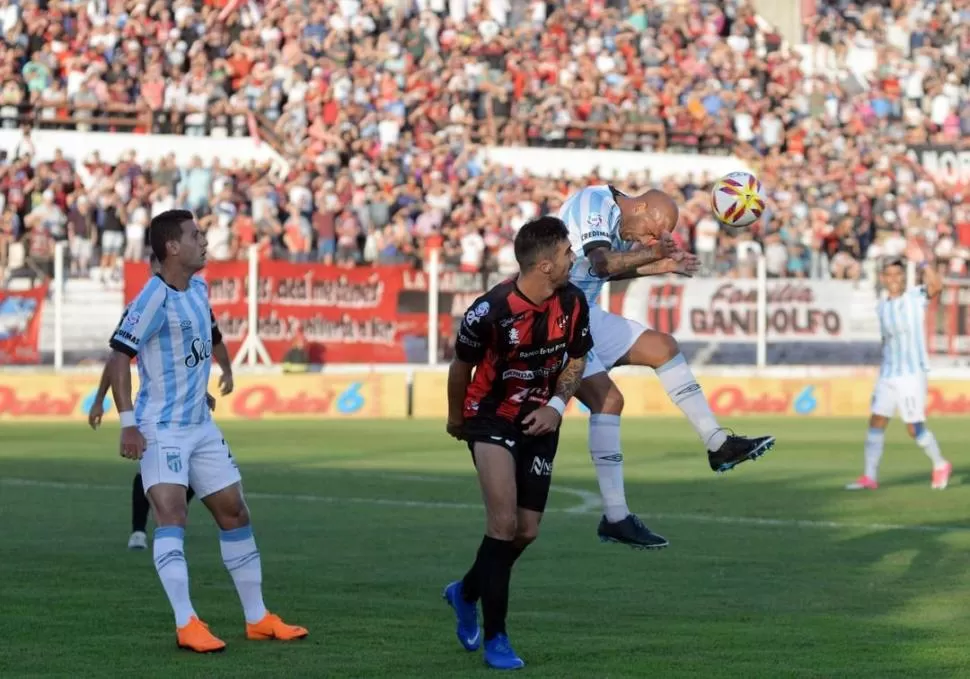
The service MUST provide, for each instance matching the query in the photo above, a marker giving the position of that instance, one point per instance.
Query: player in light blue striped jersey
(615, 236)
(170, 327)
(902, 381)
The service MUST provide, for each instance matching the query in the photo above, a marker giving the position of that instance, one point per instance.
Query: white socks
(169, 553)
(604, 448)
(927, 442)
(681, 386)
(874, 444)
(241, 557)
(873, 452)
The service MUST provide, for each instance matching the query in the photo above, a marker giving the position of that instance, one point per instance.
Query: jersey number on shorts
(229, 453)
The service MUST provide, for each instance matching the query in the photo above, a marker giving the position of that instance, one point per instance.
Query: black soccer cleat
(737, 449)
(630, 531)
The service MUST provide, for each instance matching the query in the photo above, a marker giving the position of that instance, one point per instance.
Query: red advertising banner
(345, 315)
(948, 320)
(20, 313)
(359, 315)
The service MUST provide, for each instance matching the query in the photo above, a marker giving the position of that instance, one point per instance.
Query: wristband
(127, 419)
(557, 404)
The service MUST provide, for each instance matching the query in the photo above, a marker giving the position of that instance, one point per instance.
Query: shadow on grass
(729, 598)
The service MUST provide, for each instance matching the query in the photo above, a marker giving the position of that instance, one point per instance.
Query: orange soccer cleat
(272, 627)
(195, 636)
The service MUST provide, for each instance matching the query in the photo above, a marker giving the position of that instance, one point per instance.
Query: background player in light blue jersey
(170, 327)
(615, 236)
(902, 376)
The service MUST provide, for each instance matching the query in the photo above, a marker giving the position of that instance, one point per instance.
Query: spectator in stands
(347, 90)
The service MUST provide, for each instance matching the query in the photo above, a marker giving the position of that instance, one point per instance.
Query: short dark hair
(536, 238)
(165, 227)
(894, 261)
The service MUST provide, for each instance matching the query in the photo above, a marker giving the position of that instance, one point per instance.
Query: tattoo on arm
(658, 268)
(570, 378)
(610, 263)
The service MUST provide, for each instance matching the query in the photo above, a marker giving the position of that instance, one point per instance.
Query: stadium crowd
(382, 108)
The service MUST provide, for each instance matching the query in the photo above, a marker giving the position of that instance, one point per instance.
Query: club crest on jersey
(513, 336)
(132, 318)
(562, 321)
(477, 313)
(173, 458)
(594, 220)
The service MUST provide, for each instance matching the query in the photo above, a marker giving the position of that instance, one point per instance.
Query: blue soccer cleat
(466, 614)
(500, 656)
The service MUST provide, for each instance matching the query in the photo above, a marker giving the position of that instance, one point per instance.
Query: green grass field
(773, 569)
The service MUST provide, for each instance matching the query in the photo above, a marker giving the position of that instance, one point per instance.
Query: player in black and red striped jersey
(519, 358)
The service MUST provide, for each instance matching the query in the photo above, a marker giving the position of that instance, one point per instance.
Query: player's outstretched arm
(687, 266)
(607, 263)
(932, 281)
(459, 377)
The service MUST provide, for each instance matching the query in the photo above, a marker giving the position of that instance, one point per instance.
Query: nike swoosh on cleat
(473, 640)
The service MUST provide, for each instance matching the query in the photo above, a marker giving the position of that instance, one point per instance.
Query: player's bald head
(648, 216)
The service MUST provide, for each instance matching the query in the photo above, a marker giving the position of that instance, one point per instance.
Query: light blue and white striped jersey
(593, 219)
(902, 322)
(171, 332)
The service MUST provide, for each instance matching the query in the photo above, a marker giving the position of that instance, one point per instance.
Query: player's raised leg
(605, 402)
(661, 352)
(215, 476)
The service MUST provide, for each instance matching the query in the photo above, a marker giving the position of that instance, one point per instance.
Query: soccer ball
(737, 200)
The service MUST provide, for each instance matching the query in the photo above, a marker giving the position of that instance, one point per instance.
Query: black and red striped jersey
(519, 348)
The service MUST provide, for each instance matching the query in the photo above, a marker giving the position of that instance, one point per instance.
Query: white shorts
(112, 242)
(188, 456)
(908, 394)
(613, 337)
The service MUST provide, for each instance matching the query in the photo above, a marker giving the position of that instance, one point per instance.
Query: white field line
(590, 504)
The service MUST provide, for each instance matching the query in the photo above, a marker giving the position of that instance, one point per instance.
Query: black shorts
(533, 456)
